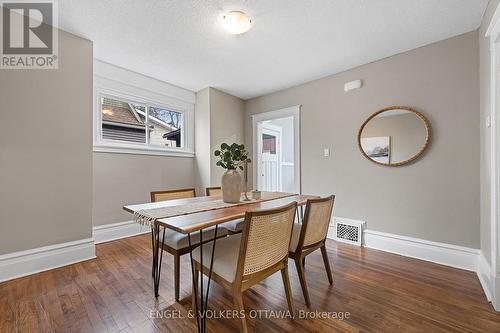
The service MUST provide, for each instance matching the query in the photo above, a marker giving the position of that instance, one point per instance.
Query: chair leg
(327, 264)
(238, 302)
(288, 290)
(302, 279)
(304, 262)
(177, 273)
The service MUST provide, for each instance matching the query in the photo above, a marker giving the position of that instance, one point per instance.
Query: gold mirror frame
(414, 157)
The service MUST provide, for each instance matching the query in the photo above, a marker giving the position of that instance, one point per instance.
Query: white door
(269, 158)
(286, 176)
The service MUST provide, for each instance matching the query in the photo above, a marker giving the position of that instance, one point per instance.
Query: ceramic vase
(231, 186)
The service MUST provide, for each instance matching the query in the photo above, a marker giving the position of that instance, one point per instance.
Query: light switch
(326, 152)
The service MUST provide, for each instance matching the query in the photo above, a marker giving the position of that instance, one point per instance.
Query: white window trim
(126, 88)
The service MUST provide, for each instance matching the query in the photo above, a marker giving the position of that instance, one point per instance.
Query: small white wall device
(356, 84)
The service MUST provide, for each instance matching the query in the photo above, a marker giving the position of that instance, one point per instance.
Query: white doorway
(489, 275)
(269, 157)
(276, 150)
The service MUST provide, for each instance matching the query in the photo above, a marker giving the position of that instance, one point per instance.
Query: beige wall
(436, 198)
(46, 173)
(226, 125)
(202, 140)
(484, 70)
(219, 118)
(121, 179)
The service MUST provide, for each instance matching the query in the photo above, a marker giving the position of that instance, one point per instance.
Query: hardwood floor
(382, 293)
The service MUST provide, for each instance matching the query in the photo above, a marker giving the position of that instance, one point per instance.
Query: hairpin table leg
(200, 311)
(157, 258)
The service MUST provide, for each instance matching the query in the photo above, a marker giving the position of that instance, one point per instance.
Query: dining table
(194, 215)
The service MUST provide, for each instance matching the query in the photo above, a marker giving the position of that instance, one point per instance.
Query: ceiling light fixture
(236, 22)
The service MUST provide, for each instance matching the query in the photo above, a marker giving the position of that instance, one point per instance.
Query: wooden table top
(200, 220)
(169, 203)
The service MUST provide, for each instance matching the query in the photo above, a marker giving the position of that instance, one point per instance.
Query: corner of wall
(202, 140)
(226, 125)
(485, 137)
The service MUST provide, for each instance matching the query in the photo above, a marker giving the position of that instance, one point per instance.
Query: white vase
(231, 186)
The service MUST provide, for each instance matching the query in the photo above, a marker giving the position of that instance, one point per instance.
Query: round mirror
(394, 136)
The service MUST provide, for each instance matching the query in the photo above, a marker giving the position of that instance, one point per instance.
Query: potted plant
(232, 157)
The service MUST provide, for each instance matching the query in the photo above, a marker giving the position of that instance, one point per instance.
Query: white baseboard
(19, 264)
(495, 298)
(114, 231)
(22, 263)
(441, 253)
(484, 275)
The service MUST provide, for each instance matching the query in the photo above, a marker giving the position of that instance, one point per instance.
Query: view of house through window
(165, 127)
(124, 121)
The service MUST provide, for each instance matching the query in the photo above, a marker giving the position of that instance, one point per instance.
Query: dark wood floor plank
(8, 315)
(382, 292)
(31, 317)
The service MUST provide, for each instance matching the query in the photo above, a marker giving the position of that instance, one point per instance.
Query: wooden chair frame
(241, 282)
(176, 253)
(208, 189)
(302, 251)
(155, 193)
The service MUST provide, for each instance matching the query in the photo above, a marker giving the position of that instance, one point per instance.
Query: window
(268, 144)
(132, 122)
(140, 126)
(123, 121)
(135, 114)
(165, 127)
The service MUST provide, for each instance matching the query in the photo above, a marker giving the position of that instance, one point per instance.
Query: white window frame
(129, 92)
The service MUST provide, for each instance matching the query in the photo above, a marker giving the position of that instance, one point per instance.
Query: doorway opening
(276, 151)
(489, 274)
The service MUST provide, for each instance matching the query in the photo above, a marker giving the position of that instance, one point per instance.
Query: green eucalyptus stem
(232, 157)
(246, 181)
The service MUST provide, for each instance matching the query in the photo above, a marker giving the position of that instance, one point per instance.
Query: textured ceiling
(292, 41)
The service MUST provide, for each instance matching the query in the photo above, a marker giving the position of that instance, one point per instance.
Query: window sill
(101, 148)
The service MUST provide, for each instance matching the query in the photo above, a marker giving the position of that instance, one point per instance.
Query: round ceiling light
(236, 22)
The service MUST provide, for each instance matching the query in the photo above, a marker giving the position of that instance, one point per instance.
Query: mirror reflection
(394, 136)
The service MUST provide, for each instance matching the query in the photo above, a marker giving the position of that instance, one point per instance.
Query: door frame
(279, 147)
(493, 283)
(294, 112)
